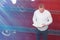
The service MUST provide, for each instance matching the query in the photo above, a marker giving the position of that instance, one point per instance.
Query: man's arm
(34, 20)
(50, 20)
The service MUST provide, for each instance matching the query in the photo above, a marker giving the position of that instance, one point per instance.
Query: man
(41, 19)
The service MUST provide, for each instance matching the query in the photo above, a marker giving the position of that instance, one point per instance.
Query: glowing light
(5, 34)
(13, 1)
(32, 0)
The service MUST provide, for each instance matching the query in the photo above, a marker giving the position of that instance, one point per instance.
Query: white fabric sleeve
(50, 20)
(34, 20)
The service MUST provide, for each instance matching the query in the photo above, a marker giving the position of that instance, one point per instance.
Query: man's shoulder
(36, 10)
(47, 10)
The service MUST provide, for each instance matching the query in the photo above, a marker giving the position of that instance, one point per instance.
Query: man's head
(41, 8)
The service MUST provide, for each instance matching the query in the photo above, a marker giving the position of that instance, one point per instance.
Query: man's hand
(43, 25)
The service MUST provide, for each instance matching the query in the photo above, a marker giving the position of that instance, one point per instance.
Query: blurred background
(16, 19)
